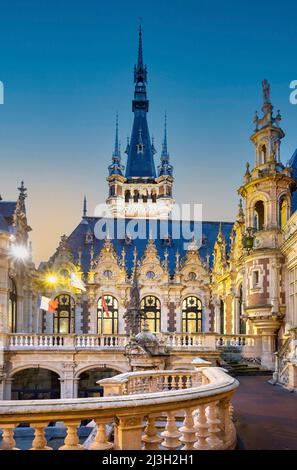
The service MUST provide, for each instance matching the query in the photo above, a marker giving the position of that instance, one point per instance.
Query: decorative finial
(164, 147)
(240, 215)
(22, 190)
(116, 143)
(85, 207)
(266, 92)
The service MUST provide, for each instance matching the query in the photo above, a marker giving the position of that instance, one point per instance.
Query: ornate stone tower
(140, 192)
(267, 193)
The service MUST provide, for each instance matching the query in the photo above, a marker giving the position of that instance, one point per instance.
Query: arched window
(283, 212)
(144, 197)
(222, 317)
(64, 317)
(259, 215)
(107, 318)
(242, 323)
(12, 306)
(151, 307)
(192, 315)
(136, 196)
(154, 197)
(263, 154)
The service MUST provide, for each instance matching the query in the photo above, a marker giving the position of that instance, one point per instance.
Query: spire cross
(22, 190)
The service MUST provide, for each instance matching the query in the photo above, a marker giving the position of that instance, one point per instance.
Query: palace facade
(233, 288)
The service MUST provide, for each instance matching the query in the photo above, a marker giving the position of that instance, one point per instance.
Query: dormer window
(140, 148)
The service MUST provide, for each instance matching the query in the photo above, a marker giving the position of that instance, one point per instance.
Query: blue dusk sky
(67, 68)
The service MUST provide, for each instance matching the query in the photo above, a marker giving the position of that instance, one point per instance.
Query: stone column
(7, 388)
(274, 286)
(67, 380)
(217, 325)
(236, 317)
(267, 327)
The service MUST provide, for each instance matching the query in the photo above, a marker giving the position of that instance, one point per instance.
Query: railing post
(151, 438)
(71, 440)
(128, 431)
(213, 440)
(188, 431)
(8, 442)
(171, 434)
(201, 427)
(39, 441)
(100, 441)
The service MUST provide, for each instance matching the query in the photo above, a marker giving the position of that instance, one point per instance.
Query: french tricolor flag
(48, 305)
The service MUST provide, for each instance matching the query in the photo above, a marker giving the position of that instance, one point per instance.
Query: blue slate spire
(140, 162)
(116, 168)
(165, 168)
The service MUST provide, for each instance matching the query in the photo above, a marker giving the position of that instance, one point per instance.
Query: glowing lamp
(52, 279)
(20, 252)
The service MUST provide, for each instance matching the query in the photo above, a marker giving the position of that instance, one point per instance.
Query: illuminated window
(107, 319)
(222, 317)
(283, 211)
(151, 307)
(242, 323)
(12, 305)
(64, 317)
(192, 315)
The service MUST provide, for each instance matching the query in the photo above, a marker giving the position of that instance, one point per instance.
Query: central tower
(139, 191)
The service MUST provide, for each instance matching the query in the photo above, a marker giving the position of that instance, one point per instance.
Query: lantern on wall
(248, 239)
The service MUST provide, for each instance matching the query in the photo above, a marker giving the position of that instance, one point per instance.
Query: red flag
(104, 305)
(52, 306)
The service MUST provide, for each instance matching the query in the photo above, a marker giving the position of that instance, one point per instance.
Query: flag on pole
(76, 282)
(104, 305)
(48, 305)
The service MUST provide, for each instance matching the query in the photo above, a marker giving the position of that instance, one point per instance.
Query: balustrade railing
(236, 340)
(173, 341)
(193, 413)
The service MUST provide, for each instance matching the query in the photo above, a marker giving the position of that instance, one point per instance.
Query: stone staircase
(243, 368)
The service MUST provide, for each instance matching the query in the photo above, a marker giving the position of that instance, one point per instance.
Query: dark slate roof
(7, 208)
(293, 164)
(4, 227)
(140, 164)
(209, 234)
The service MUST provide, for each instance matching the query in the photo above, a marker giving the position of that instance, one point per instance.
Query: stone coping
(220, 385)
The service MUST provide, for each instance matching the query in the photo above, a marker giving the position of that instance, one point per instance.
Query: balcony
(188, 410)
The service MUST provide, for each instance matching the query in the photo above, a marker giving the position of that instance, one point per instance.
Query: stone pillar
(178, 317)
(128, 431)
(67, 380)
(274, 286)
(267, 327)
(7, 388)
(217, 323)
(236, 318)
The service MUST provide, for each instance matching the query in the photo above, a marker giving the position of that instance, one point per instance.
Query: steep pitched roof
(77, 241)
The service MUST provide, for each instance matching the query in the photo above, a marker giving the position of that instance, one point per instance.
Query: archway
(35, 383)
(88, 386)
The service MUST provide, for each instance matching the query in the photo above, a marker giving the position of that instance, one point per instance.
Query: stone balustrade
(176, 341)
(194, 414)
(236, 340)
(151, 381)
